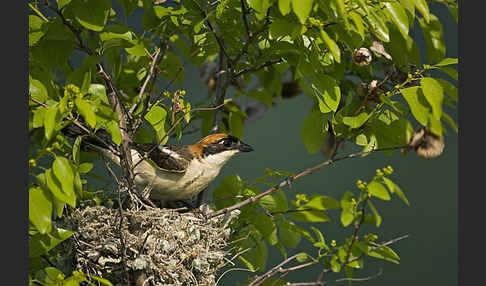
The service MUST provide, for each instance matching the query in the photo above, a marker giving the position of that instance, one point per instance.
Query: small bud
(56, 145)
(49, 149)
(333, 243)
(379, 173)
(32, 163)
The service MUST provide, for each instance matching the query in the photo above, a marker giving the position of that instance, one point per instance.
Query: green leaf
(378, 190)
(434, 40)
(156, 117)
(86, 111)
(450, 121)
(276, 202)
(284, 6)
(38, 120)
(50, 121)
(394, 189)
(320, 242)
(114, 129)
(356, 121)
(423, 8)
(340, 8)
(116, 32)
(42, 243)
(386, 253)
(35, 29)
(323, 203)
(77, 149)
(335, 265)
(446, 62)
(236, 124)
(99, 91)
(306, 215)
(333, 47)
(56, 188)
(417, 102)
(450, 72)
(398, 16)
(40, 209)
(64, 172)
(260, 7)
(103, 281)
(302, 9)
(225, 194)
(347, 213)
(313, 131)
(302, 256)
(62, 3)
(327, 92)
(358, 23)
(376, 215)
(37, 90)
(85, 167)
(287, 234)
(280, 28)
(91, 14)
(378, 26)
(434, 94)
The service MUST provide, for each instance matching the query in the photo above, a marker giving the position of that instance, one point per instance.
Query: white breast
(178, 186)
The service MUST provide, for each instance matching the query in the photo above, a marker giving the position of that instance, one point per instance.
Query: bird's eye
(226, 142)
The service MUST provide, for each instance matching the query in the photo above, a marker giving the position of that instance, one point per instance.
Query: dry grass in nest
(169, 248)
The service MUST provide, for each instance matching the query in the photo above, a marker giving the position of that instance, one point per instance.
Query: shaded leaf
(333, 47)
(376, 215)
(418, 105)
(313, 131)
(394, 189)
(302, 9)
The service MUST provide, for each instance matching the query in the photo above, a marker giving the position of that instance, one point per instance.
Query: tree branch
(218, 39)
(151, 75)
(257, 68)
(298, 176)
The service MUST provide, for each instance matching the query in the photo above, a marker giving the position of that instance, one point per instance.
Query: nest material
(164, 246)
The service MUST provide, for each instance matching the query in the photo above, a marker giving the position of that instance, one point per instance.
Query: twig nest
(427, 144)
(169, 248)
(362, 57)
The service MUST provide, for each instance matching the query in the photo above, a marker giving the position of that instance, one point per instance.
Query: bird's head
(220, 147)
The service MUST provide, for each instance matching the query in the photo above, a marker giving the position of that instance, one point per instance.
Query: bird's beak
(244, 147)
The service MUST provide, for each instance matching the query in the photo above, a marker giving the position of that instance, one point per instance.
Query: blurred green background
(428, 256)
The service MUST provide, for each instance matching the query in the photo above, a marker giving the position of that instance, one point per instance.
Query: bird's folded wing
(173, 159)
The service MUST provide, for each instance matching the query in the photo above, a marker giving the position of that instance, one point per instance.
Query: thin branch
(251, 38)
(380, 272)
(357, 226)
(76, 32)
(298, 176)
(218, 39)
(244, 11)
(257, 68)
(224, 77)
(151, 75)
(262, 278)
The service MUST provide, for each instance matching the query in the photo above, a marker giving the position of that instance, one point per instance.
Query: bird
(174, 172)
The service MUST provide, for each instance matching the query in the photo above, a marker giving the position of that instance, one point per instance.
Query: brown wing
(173, 159)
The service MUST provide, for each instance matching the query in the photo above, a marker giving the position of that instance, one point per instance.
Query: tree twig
(257, 68)
(151, 75)
(298, 176)
(218, 39)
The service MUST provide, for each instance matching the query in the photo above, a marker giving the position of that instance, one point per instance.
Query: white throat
(219, 159)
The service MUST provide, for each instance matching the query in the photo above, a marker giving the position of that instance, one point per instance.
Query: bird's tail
(99, 141)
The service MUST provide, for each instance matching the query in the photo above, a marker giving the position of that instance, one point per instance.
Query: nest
(162, 246)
